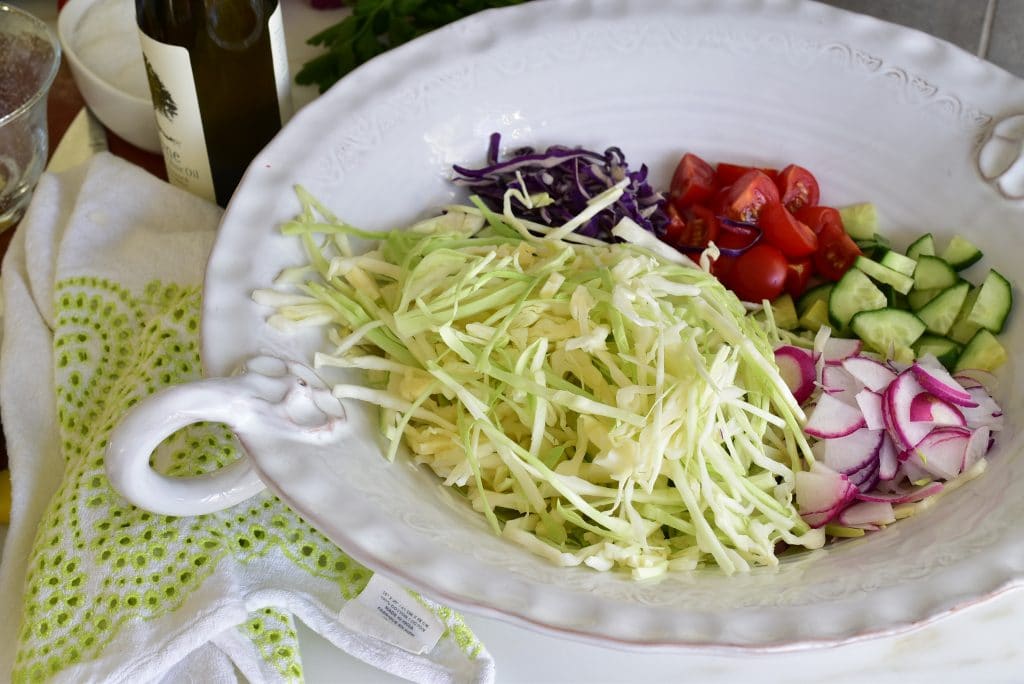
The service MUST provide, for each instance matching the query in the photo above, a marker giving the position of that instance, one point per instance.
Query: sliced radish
(937, 380)
(987, 413)
(833, 418)
(836, 349)
(903, 495)
(851, 453)
(840, 384)
(870, 404)
(888, 461)
(873, 374)
(977, 446)
(796, 366)
(868, 513)
(926, 407)
(943, 451)
(970, 378)
(821, 494)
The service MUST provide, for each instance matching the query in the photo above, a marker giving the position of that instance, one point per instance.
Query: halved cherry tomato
(693, 230)
(759, 273)
(797, 187)
(793, 238)
(748, 195)
(836, 252)
(798, 274)
(730, 173)
(816, 218)
(692, 183)
(731, 237)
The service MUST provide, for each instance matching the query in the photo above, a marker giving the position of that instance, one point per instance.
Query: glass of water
(29, 58)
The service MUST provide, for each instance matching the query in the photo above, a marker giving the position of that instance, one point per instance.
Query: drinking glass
(29, 58)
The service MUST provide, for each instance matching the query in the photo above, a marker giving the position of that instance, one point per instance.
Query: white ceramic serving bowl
(929, 133)
(127, 114)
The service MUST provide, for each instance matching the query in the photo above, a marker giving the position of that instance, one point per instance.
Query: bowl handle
(270, 399)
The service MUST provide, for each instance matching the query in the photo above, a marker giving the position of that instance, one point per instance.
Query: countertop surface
(978, 643)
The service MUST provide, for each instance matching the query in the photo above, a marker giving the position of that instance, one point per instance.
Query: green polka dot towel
(102, 292)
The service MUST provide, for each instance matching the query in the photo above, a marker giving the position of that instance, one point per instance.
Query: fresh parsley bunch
(376, 26)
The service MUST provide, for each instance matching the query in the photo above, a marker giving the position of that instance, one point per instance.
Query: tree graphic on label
(162, 100)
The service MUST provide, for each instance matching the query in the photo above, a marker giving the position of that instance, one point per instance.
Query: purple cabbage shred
(571, 177)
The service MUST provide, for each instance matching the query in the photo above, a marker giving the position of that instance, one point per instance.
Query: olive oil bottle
(218, 74)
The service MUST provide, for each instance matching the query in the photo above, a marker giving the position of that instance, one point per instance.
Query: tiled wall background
(993, 29)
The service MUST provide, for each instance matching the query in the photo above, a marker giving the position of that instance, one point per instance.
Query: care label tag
(386, 611)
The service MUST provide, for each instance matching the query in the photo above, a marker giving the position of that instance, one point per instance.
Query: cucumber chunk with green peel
(941, 312)
(918, 298)
(933, 273)
(960, 253)
(963, 328)
(983, 352)
(818, 293)
(899, 263)
(992, 306)
(853, 294)
(860, 220)
(816, 316)
(885, 275)
(922, 246)
(947, 351)
(888, 331)
(784, 312)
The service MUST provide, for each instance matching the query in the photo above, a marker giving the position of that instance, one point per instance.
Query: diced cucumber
(960, 253)
(860, 220)
(873, 246)
(944, 349)
(995, 297)
(918, 298)
(896, 299)
(898, 262)
(964, 329)
(818, 293)
(983, 352)
(888, 331)
(933, 273)
(816, 316)
(941, 312)
(853, 294)
(922, 246)
(884, 274)
(784, 312)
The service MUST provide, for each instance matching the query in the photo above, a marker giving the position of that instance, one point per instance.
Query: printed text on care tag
(386, 611)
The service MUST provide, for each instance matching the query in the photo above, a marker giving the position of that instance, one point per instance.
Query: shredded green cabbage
(604, 404)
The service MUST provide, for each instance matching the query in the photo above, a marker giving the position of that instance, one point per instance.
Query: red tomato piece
(792, 237)
(730, 173)
(746, 197)
(675, 226)
(816, 218)
(692, 183)
(836, 253)
(692, 232)
(798, 274)
(759, 273)
(797, 187)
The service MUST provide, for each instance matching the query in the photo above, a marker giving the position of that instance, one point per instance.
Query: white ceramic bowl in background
(878, 112)
(126, 114)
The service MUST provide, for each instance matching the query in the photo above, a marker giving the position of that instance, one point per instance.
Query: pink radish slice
(987, 413)
(926, 407)
(937, 380)
(977, 446)
(837, 349)
(853, 452)
(840, 384)
(796, 366)
(970, 378)
(896, 403)
(888, 462)
(870, 404)
(873, 374)
(903, 495)
(821, 494)
(943, 451)
(833, 418)
(868, 513)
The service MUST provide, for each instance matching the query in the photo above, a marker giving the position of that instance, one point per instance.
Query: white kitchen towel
(102, 285)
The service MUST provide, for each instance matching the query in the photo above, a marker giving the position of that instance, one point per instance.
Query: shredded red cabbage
(571, 177)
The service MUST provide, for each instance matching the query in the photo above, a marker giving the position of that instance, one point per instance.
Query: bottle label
(178, 118)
